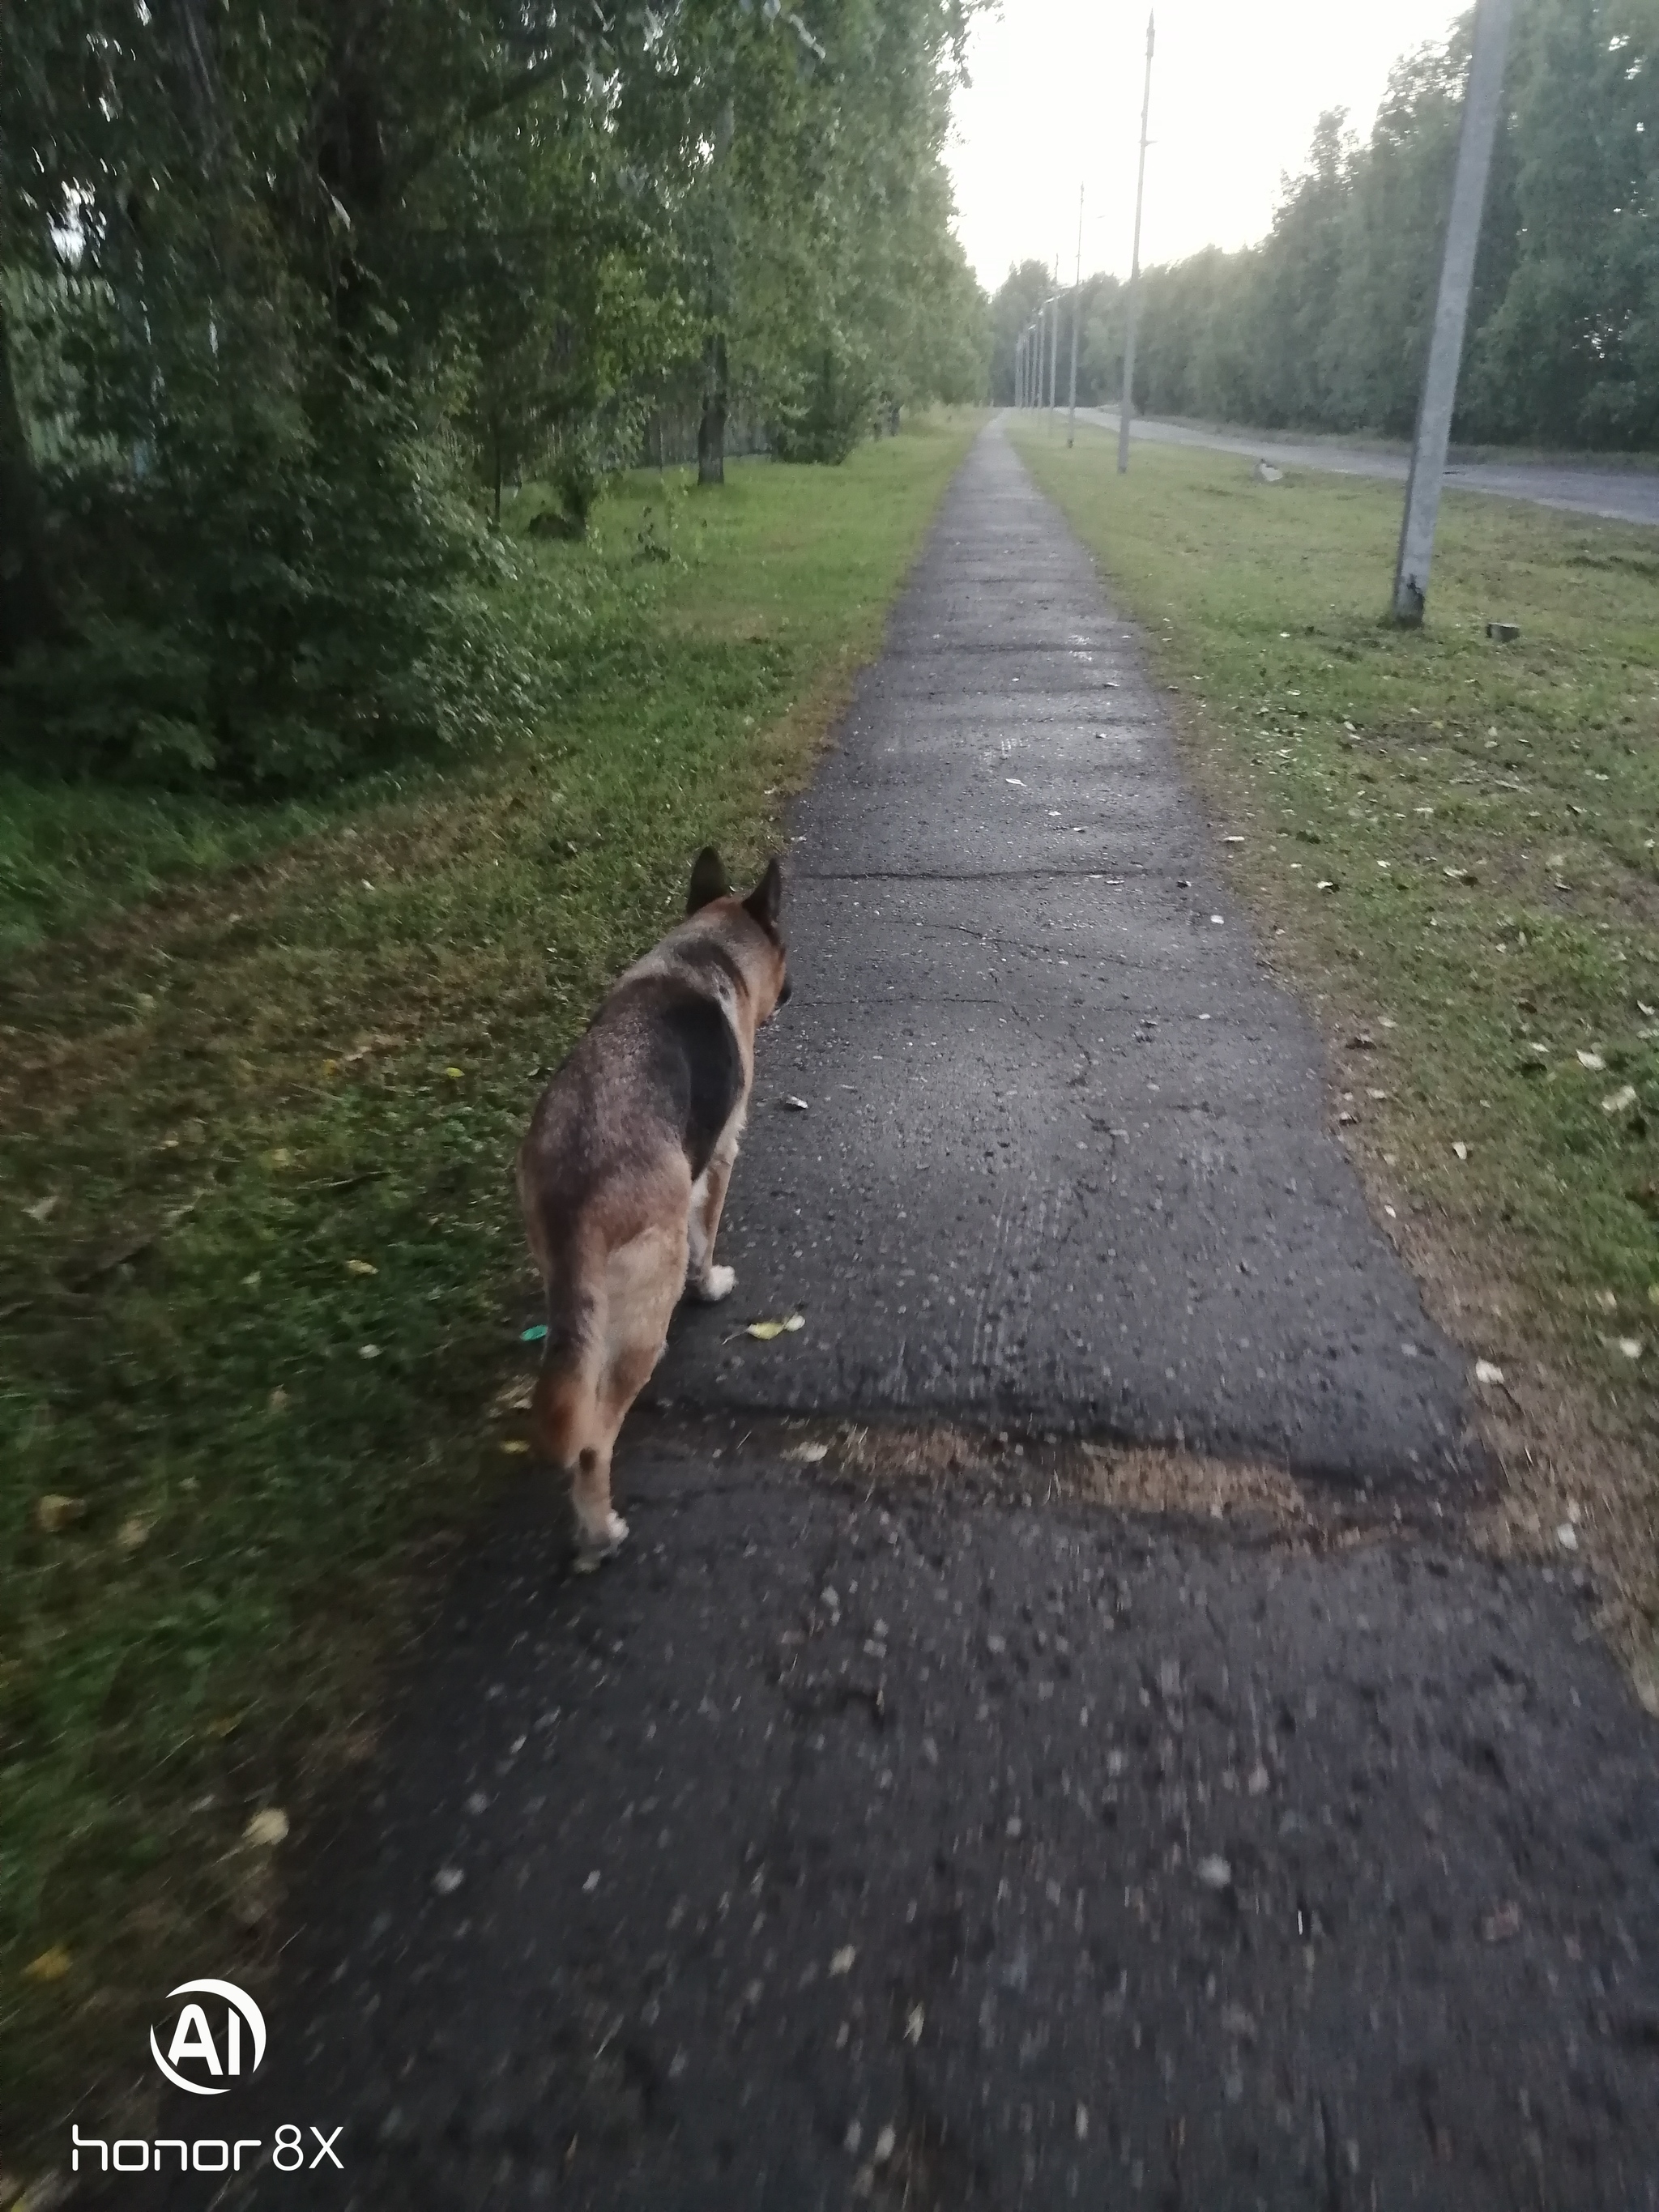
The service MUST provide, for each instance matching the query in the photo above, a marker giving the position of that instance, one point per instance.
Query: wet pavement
(865, 1838)
(1614, 494)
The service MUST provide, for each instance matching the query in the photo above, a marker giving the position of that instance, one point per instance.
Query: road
(1615, 494)
(896, 1826)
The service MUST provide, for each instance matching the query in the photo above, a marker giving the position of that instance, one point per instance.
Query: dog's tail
(563, 1408)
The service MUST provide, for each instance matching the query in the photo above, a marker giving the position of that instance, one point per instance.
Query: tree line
(1325, 324)
(290, 293)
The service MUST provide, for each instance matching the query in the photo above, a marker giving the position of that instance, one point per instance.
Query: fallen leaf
(453, 1073)
(132, 1533)
(766, 1330)
(809, 1455)
(795, 1105)
(44, 1208)
(1461, 1151)
(1486, 1373)
(267, 1829)
(49, 1966)
(1592, 1060)
(53, 1512)
(362, 1267)
(368, 1351)
(514, 1446)
(1325, 884)
(841, 1960)
(1620, 1101)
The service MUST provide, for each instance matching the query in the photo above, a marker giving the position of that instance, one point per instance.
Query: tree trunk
(711, 428)
(29, 612)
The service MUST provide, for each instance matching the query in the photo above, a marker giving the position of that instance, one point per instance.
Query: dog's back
(623, 1171)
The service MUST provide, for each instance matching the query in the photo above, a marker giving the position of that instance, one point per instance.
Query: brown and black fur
(624, 1170)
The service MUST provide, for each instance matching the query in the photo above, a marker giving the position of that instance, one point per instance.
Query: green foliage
(281, 290)
(1326, 323)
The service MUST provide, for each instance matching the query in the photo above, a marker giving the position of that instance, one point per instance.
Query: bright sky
(1237, 90)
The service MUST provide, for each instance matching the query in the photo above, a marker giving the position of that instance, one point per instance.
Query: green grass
(1485, 816)
(261, 1276)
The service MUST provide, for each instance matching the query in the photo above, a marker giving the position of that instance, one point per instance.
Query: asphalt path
(865, 1837)
(1614, 494)
(1063, 1159)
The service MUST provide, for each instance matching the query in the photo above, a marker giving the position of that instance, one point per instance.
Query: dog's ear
(709, 880)
(765, 901)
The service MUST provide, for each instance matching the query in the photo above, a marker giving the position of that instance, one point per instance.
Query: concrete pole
(1053, 343)
(1128, 408)
(1076, 309)
(1482, 107)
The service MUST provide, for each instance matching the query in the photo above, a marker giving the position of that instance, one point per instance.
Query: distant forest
(1324, 326)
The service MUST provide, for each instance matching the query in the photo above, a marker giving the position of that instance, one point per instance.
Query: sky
(1237, 90)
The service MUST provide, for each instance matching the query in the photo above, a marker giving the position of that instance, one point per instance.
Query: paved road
(1616, 495)
(1064, 1161)
(858, 1838)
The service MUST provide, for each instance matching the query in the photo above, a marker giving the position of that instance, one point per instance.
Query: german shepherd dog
(624, 1171)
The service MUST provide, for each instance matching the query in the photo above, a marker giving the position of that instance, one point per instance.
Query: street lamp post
(1076, 309)
(1127, 407)
(1482, 106)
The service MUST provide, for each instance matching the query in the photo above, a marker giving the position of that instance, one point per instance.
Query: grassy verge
(261, 1278)
(1449, 844)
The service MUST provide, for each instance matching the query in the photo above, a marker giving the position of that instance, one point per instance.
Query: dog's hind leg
(642, 1286)
(704, 1279)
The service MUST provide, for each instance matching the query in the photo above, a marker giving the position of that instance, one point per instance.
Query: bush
(288, 588)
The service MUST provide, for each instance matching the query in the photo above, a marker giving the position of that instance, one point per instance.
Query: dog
(624, 1171)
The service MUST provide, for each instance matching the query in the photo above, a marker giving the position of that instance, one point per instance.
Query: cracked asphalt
(870, 1835)
(1064, 1161)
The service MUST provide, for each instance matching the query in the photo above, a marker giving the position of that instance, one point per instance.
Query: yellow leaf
(53, 1513)
(362, 1267)
(51, 1967)
(513, 1445)
(453, 1073)
(766, 1330)
(266, 1829)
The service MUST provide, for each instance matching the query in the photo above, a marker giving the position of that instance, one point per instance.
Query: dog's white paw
(595, 1546)
(717, 1283)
